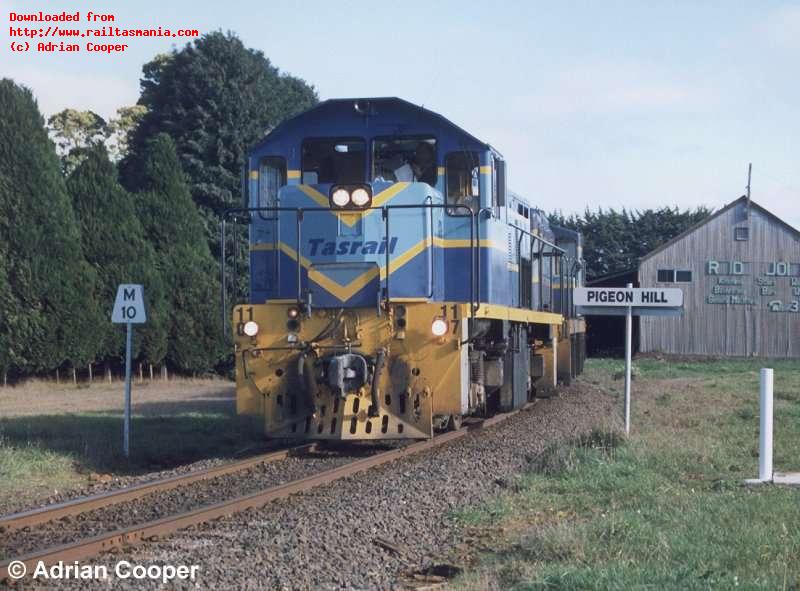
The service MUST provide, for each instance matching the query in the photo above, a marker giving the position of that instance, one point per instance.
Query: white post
(628, 348)
(554, 331)
(126, 438)
(765, 434)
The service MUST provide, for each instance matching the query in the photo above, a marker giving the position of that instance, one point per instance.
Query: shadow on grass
(94, 439)
(223, 405)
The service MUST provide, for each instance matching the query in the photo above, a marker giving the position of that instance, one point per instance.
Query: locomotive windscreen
(404, 159)
(334, 160)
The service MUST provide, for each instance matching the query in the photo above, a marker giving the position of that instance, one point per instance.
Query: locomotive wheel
(454, 423)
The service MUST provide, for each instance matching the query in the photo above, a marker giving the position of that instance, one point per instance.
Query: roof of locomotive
(373, 117)
(377, 117)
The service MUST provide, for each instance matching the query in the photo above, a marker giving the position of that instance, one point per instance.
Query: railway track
(81, 505)
(119, 538)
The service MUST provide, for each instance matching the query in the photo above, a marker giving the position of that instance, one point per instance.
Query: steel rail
(81, 505)
(154, 529)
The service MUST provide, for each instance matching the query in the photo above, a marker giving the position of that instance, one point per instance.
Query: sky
(633, 104)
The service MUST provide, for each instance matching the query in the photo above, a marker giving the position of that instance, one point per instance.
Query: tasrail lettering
(346, 247)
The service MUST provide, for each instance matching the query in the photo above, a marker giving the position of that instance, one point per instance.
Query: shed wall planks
(735, 329)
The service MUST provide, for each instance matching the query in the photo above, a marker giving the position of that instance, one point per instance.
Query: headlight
(340, 197)
(360, 197)
(439, 327)
(250, 328)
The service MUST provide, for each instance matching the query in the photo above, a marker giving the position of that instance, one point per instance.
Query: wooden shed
(740, 273)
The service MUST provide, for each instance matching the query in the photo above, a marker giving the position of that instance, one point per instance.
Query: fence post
(765, 429)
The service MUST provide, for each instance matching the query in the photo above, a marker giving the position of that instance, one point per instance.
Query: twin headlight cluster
(351, 196)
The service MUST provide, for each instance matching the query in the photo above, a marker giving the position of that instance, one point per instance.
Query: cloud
(781, 27)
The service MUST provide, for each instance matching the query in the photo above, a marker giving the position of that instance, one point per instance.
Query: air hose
(376, 378)
(305, 374)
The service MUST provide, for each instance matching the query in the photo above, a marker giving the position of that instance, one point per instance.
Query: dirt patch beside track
(149, 398)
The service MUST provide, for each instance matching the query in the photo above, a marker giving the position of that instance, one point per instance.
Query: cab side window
(271, 177)
(462, 171)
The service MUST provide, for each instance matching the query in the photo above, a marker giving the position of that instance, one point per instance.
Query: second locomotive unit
(396, 285)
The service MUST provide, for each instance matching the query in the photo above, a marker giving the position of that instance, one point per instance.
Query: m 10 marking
(640, 297)
(129, 305)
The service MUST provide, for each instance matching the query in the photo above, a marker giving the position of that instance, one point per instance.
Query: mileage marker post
(629, 302)
(128, 310)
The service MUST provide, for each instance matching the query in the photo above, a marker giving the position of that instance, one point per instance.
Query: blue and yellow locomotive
(396, 284)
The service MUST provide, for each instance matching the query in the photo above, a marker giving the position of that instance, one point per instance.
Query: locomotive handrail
(539, 238)
(575, 267)
(551, 257)
(431, 266)
(554, 250)
(533, 240)
(474, 240)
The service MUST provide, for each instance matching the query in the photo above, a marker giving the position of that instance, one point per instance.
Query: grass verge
(43, 454)
(664, 509)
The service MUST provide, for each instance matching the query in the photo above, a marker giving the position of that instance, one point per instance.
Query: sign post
(128, 310)
(628, 301)
(628, 355)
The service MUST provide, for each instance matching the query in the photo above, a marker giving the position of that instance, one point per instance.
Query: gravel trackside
(369, 530)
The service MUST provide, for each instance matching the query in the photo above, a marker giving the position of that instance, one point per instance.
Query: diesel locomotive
(396, 285)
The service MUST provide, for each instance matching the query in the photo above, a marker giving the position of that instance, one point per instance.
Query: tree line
(613, 241)
(87, 204)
